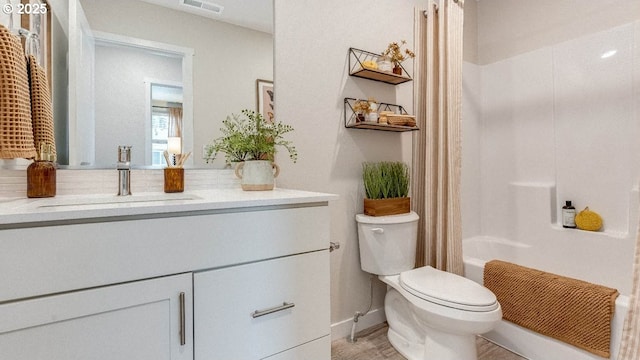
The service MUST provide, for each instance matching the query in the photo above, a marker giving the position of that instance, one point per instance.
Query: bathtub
(480, 249)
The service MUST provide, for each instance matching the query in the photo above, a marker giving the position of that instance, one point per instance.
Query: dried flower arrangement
(363, 106)
(395, 54)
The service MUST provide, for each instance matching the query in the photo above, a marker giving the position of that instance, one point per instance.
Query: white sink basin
(114, 199)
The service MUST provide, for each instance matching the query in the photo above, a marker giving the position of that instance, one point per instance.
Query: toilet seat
(448, 289)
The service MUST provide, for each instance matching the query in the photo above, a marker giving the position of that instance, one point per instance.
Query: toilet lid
(448, 289)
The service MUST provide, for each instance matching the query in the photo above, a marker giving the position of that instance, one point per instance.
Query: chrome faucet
(124, 170)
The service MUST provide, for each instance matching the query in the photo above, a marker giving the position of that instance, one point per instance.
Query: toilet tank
(387, 243)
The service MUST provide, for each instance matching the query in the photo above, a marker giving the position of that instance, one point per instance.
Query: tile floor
(372, 344)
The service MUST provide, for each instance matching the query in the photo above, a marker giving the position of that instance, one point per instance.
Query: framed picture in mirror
(264, 90)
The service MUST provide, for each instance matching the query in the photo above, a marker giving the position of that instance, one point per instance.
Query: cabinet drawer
(232, 318)
(30, 258)
(315, 350)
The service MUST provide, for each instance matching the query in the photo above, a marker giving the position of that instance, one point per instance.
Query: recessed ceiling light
(607, 54)
(204, 5)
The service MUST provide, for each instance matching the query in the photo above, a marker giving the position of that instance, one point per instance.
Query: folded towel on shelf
(16, 131)
(404, 120)
(41, 107)
(570, 310)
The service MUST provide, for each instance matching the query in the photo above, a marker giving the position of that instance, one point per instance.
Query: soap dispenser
(41, 174)
(568, 216)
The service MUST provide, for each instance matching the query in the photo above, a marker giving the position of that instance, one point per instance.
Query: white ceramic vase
(257, 175)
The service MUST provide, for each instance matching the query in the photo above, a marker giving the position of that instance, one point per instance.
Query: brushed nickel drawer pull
(183, 338)
(284, 306)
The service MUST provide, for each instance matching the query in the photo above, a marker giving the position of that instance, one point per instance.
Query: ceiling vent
(204, 5)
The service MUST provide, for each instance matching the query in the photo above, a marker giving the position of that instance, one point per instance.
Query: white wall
(312, 39)
(470, 41)
(227, 62)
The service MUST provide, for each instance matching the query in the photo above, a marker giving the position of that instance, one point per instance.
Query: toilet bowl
(432, 314)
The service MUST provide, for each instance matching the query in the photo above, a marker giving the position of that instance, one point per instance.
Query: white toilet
(432, 314)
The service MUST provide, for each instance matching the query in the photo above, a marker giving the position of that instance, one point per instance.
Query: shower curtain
(175, 122)
(175, 125)
(437, 149)
(630, 344)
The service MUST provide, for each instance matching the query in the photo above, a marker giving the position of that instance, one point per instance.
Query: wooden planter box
(382, 207)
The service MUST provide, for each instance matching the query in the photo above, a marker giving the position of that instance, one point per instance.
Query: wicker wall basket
(382, 207)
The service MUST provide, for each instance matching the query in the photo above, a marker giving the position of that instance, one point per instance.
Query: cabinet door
(139, 320)
(256, 310)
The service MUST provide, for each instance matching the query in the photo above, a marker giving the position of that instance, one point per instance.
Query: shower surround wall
(560, 121)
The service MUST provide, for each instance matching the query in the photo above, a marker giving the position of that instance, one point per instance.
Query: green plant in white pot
(232, 142)
(386, 186)
(252, 141)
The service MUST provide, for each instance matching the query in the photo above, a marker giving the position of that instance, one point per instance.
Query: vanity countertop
(24, 212)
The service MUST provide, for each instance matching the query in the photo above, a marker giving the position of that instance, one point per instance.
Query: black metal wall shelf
(351, 118)
(357, 68)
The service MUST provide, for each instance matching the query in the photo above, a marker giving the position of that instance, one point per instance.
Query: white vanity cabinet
(172, 281)
(142, 320)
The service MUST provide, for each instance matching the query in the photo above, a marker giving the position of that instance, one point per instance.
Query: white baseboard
(342, 328)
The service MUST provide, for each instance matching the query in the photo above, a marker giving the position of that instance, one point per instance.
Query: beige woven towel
(570, 310)
(41, 108)
(16, 132)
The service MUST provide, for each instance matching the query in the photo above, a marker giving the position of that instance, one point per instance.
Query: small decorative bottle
(373, 115)
(397, 69)
(41, 174)
(568, 216)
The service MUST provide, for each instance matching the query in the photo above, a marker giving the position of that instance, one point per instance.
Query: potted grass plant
(386, 185)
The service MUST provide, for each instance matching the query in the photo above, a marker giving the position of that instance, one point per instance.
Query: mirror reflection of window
(166, 119)
(159, 134)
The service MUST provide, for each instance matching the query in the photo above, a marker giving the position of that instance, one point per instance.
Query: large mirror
(137, 72)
